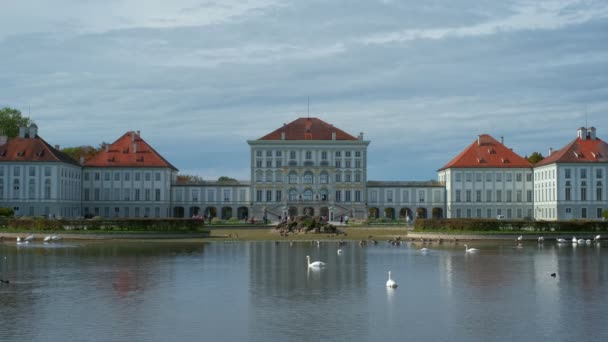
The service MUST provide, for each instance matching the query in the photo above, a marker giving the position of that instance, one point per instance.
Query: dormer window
(20, 153)
(491, 151)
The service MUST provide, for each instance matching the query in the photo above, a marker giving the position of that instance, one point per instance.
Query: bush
(509, 225)
(146, 224)
(216, 220)
(7, 212)
(233, 220)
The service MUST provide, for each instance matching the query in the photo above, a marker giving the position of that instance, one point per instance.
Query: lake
(262, 291)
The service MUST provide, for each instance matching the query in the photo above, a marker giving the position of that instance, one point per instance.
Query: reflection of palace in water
(280, 281)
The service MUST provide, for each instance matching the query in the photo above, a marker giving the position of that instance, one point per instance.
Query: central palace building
(306, 167)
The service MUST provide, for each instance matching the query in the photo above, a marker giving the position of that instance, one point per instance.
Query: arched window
(268, 176)
(293, 178)
(258, 176)
(308, 177)
(293, 195)
(307, 195)
(324, 178)
(278, 177)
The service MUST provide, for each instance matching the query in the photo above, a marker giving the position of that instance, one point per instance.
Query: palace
(307, 167)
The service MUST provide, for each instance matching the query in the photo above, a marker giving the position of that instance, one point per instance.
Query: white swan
(541, 239)
(390, 282)
(21, 241)
(316, 264)
(581, 241)
(561, 241)
(47, 238)
(574, 240)
(55, 237)
(29, 238)
(339, 251)
(424, 250)
(597, 238)
(470, 250)
(519, 238)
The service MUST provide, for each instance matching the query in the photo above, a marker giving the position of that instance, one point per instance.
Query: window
(488, 177)
(127, 176)
(488, 195)
(347, 177)
(137, 192)
(468, 213)
(157, 176)
(509, 177)
(278, 196)
(357, 196)
(307, 195)
(457, 196)
(518, 177)
(598, 173)
(457, 177)
(357, 163)
(308, 155)
(598, 191)
(292, 154)
(338, 177)
(599, 213)
(258, 153)
(583, 194)
(258, 196)
(279, 163)
(458, 213)
(583, 173)
(268, 195)
(269, 153)
(148, 178)
(468, 176)
(389, 196)
(157, 195)
(347, 164)
(567, 173)
(293, 195)
(498, 196)
(357, 178)
(259, 176)
(583, 212)
(31, 188)
(278, 153)
(347, 154)
(116, 176)
(357, 154)
(478, 177)
(528, 195)
(509, 195)
(278, 177)
(489, 213)
(478, 212)
(268, 177)
(15, 188)
(16, 171)
(308, 177)
(347, 197)
(293, 178)
(528, 177)
(137, 176)
(421, 195)
(468, 195)
(258, 163)
(47, 172)
(338, 163)
(268, 163)
(498, 177)
(338, 196)
(324, 155)
(338, 154)
(32, 171)
(568, 194)
(106, 177)
(478, 196)
(406, 195)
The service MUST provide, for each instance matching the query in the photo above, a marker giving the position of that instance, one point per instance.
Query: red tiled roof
(579, 151)
(308, 129)
(130, 150)
(487, 152)
(32, 150)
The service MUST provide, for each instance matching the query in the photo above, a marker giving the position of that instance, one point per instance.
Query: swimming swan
(390, 282)
(470, 250)
(316, 264)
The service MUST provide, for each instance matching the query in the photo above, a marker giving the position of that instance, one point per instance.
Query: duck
(390, 283)
(316, 264)
(574, 240)
(470, 250)
(339, 251)
(597, 237)
(519, 238)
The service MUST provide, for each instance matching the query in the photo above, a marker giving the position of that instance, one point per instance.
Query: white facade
(127, 192)
(488, 192)
(319, 177)
(212, 199)
(406, 200)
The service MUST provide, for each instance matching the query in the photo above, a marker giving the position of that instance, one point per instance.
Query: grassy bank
(360, 233)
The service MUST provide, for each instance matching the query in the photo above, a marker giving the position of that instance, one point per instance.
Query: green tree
(535, 157)
(11, 120)
(605, 214)
(86, 152)
(227, 180)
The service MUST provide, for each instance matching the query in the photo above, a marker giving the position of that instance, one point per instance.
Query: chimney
(33, 130)
(581, 133)
(479, 140)
(107, 147)
(132, 136)
(591, 132)
(502, 140)
(21, 132)
(550, 150)
(333, 135)
(134, 147)
(282, 135)
(138, 133)
(57, 147)
(360, 135)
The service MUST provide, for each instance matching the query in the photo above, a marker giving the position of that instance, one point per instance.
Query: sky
(421, 79)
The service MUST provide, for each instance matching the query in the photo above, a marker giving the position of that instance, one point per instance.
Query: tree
(227, 180)
(11, 120)
(535, 157)
(86, 152)
(189, 179)
(605, 214)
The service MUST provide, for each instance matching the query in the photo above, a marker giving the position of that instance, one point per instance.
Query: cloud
(199, 89)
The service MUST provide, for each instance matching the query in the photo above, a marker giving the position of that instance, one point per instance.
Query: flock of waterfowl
(390, 283)
(28, 239)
